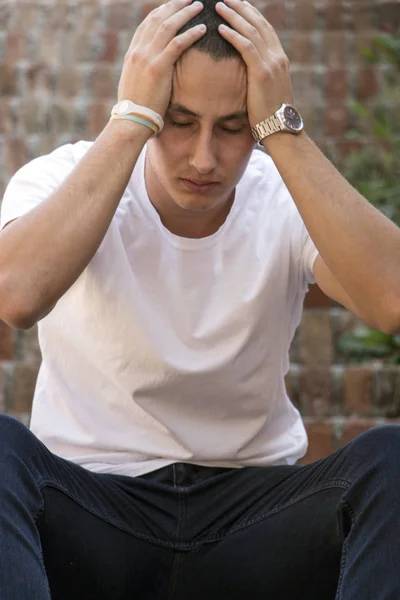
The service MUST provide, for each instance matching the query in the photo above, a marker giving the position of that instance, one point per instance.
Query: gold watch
(286, 118)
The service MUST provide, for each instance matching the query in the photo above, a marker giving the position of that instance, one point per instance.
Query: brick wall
(60, 64)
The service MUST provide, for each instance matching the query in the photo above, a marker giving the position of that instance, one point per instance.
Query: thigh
(293, 553)
(87, 558)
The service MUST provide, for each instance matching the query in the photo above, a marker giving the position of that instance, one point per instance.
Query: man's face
(199, 144)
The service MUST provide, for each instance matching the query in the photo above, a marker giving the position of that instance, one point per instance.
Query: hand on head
(147, 73)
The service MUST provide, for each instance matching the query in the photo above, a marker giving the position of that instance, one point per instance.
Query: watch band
(266, 128)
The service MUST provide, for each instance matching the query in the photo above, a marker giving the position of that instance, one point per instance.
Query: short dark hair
(212, 43)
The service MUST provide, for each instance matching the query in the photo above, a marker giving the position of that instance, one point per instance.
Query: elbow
(14, 313)
(394, 327)
(23, 317)
(391, 322)
(17, 319)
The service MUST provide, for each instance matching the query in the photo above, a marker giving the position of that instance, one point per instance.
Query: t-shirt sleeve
(35, 182)
(308, 256)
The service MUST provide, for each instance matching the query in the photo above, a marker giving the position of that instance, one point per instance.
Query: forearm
(44, 252)
(359, 245)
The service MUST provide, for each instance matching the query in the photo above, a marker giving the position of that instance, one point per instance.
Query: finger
(168, 29)
(151, 23)
(181, 43)
(243, 45)
(259, 22)
(240, 21)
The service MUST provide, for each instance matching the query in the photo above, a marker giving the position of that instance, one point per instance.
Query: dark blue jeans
(329, 530)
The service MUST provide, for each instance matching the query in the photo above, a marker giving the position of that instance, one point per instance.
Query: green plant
(367, 343)
(375, 169)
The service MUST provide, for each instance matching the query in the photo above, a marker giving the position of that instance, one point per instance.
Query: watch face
(123, 107)
(292, 118)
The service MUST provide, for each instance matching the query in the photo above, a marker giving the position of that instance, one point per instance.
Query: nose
(204, 153)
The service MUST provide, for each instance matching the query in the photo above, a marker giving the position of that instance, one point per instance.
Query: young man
(168, 276)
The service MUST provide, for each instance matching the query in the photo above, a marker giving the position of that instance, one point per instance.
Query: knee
(380, 442)
(14, 436)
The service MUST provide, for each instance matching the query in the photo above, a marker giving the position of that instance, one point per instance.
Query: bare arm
(43, 252)
(359, 246)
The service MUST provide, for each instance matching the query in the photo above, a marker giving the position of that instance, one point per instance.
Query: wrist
(282, 142)
(129, 129)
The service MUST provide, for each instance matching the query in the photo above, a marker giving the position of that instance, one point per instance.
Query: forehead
(210, 87)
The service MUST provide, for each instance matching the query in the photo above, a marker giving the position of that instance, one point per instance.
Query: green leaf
(369, 55)
(366, 342)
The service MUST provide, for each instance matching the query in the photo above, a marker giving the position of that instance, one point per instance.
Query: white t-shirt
(170, 349)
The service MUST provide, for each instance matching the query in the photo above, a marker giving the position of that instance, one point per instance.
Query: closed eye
(225, 129)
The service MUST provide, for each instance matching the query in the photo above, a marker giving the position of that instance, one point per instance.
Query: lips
(200, 182)
(199, 188)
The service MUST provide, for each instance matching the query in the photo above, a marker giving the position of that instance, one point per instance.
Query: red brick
(87, 14)
(61, 16)
(315, 298)
(300, 49)
(39, 76)
(31, 115)
(316, 392)
(69, 81)
(16, 47)
(304, 15)
(321, 442)
(306, 85)
(102, 82)
(334, 15)
(24, 381)
(336, 85)
(367, 83)
(387, 399)
(336, 121)
(345, 147)
(388, 16)
(120, 15)
(60, 118)
(147, 8)
(358, 390)
(5, 15)
(276, 15)
(6, 341)
(8, 80)
(46, 143)
(311, 115)
(316, 338)
(60, 49)
(334, 49)
(353, 428)
(362, 15)
(110, 47)
(84, 49)
(16, 154)
(5, 119)
(25, 15)
(29, 346)
(98, 116)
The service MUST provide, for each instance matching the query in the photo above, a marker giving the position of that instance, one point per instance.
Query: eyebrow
(240, 114)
